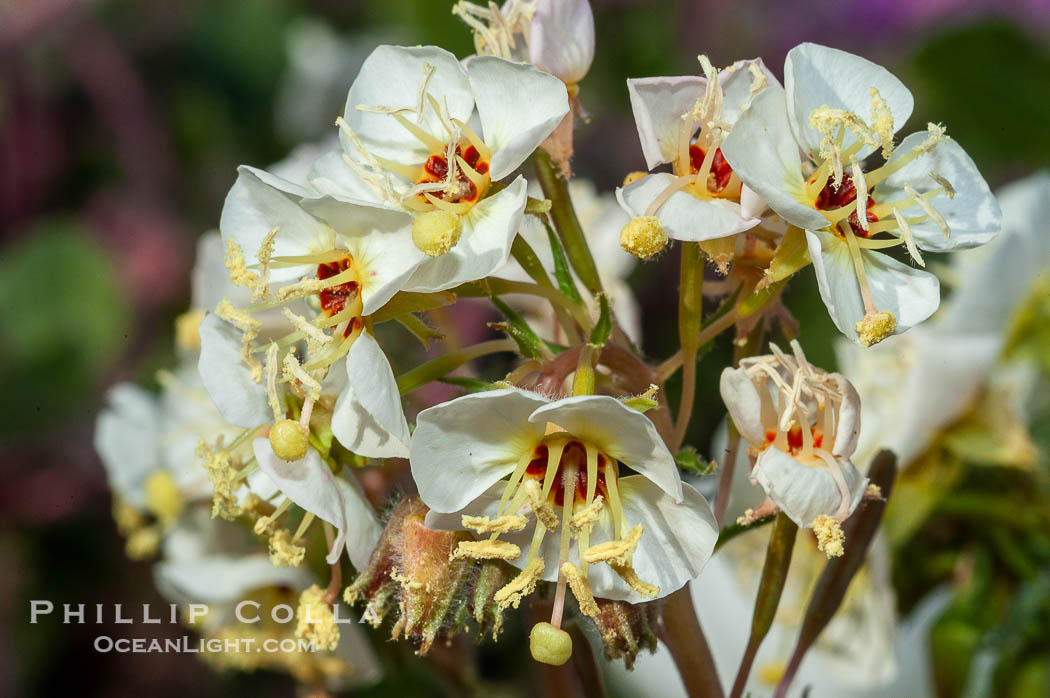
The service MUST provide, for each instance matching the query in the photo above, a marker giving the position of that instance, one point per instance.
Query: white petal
(737, 82)
(986, 295)
(764, 154)
(255, 206)
(368, 418)
(310, 484)
(910, 294)
(561, 38)
(744, 404)
(484, 244)
(127, 440)
(847, 431)
(220, 579)
(380, 242)
(803, 492)
(331, 175)
(816, 76)
(227, 379)
(519, 106)
(658, 105)
(684, 216)
(618, 431)
(393, 76)
(751, 204)
(972, 215)
(460, 448)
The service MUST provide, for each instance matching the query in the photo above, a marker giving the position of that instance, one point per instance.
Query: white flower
(348, 260)
(490, 460)
(601, 219)
(683, 121)
(916, 385)
(802, 149)
(425, 134)
(802, 424)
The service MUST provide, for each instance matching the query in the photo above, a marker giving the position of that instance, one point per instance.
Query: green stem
(497, 287)
(530, 262)
(442, 365)
(690, 312)
(770, 588)
(556, 188)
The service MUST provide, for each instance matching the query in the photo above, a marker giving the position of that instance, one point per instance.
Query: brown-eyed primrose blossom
(803, 150)
(682, 121)
(425, 134)
(513, 466)
(802, 425)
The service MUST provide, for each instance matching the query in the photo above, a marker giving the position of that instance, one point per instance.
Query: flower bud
(288, 440)
(436, 232)
(643, 236)
(550, 645)
(626, 628)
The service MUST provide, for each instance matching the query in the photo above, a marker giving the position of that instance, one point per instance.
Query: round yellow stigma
(162, 496)
(633, 177)
(876, 327)
(288, 440)
(643, 236)
(550, 645)
(436, 232)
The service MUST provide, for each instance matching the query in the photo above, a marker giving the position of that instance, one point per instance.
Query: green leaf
(471, 385)
(603, 327)
(690, 461)
(407, 302)
(529, 343)
(566, 284)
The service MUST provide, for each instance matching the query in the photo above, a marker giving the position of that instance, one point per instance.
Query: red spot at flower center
(831, 198)
(794, 438)
(721, 172)
(574, 455)
(436, 170)
(334, 298)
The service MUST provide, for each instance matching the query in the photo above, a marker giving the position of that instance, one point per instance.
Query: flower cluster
(563, 484)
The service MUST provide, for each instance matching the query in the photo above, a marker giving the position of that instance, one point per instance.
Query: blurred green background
(122, 123)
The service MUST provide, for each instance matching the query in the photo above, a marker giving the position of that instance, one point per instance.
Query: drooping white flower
(601, 219)
(682, 121)
(492, 460)
(425, 134)
(803, 150)
(802, 425)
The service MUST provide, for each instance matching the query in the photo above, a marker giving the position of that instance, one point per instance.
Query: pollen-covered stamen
(497, 29)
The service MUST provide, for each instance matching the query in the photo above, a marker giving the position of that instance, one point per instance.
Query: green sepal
(690, 461)
(408, 302)
(603, 327)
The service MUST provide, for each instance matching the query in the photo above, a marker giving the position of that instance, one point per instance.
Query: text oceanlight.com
(194, 645)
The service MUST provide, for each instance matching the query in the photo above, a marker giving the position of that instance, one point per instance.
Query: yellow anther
(261, 290)
(127, 518)
(249, 326)
(872, 491)
(643, 236)
(265, 526)
(294, 371)
(224, 480)
(631, 578)
(876, 327)
(283, 551)
(272, 397)
(540, 506)
(585, 518)
(521, 586)
(163, 497)
(300, 289)
(288, 440)
(633, 177)
(143, 543)
(486, 550)
(882, 123)
(436, 232)
(830, 538)
(309, 329)
(187, 330)
(550, 645)
(616, 552)
(483, 525)
(581, 589)
(236, 266)
(316, 621)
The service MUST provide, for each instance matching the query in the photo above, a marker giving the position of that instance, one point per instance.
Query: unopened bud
(436, 232)
(288, 440)
(643, 236)
(550, 645)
